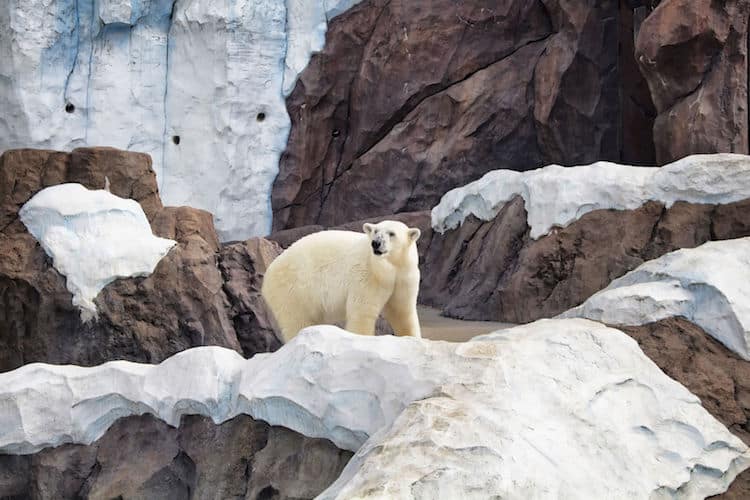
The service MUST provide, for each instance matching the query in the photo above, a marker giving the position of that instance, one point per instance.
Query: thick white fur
(335, 277)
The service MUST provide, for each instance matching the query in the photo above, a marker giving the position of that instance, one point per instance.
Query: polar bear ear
(367, 228)
(414, 234)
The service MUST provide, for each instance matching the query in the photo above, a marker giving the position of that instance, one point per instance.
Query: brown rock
(180, 305)
(410, 99)
(709, 370)
(24, 172)
(183, 304)
(243, 266)
(522, 280)
(694, 57)
(143, 457)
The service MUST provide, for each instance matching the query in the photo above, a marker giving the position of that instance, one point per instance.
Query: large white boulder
(554, 409)
(93, 238)
(557, 196)
(708, 285)
(144, 74)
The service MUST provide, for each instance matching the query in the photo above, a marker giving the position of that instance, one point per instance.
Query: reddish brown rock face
(242, 267)
(199, 293)
(694, 56)
(142, 457)
(410, 99)
(494, 271)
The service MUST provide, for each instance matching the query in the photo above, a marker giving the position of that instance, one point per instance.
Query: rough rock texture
(143, 457)
(524, 279)
(23, 172)
(398, 115)
(707, 285)
(184, 303)
(200, 86)
(694, 57)
(456, 418)
(243, 266)
(93, 238)
(709, 370)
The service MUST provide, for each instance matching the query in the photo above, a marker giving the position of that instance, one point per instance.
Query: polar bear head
(390, 238)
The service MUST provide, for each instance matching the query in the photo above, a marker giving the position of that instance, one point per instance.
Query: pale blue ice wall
(140, 72)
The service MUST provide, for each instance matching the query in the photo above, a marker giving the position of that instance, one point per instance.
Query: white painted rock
(554, 409)
(557, 196)
(708, 285)
(137, 74)
(93, 238)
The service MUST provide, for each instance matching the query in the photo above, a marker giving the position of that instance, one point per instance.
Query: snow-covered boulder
(708, 285)
(93, 238)
(557, 408)
(200, 86)
(556, 196)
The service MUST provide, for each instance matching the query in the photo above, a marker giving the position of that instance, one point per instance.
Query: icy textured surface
(557, 196)
(556, 409)
(708, 285)
(93, 238)
(140, 73)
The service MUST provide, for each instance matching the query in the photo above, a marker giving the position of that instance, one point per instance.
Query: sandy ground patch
(437, 327)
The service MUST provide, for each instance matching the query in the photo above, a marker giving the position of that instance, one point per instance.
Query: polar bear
(347, 278)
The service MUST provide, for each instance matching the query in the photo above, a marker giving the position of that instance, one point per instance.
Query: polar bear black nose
(375, 245)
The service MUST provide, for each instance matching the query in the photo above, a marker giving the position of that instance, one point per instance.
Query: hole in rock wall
(69, 107)
(335, 132)
(261, 116)
(176, 139)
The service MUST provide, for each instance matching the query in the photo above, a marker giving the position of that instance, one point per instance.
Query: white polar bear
(347, 278)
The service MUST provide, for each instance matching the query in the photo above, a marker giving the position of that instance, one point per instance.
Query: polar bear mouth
(378, 252)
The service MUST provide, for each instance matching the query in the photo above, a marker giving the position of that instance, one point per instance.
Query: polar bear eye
(391, 234)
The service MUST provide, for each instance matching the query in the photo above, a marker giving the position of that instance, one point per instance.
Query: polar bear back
(314, 275)
(349, 279)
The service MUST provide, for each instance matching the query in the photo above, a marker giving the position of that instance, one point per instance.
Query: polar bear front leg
(361, 314)
(401, 309)
(403, 318)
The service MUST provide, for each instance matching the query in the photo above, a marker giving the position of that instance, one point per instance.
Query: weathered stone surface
(467, 420)
(183, 303)
(523, 279)
(694, 57)
(143, 457)
(243, 266)
(397, 115)
(558, 235)
(24, 172)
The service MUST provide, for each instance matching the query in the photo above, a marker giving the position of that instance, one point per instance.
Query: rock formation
(93, 237)
(187, 301)
(706, 285)
(560, 235)
(143, 457)
(432, 392)
(694, 57)
(398, 115)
